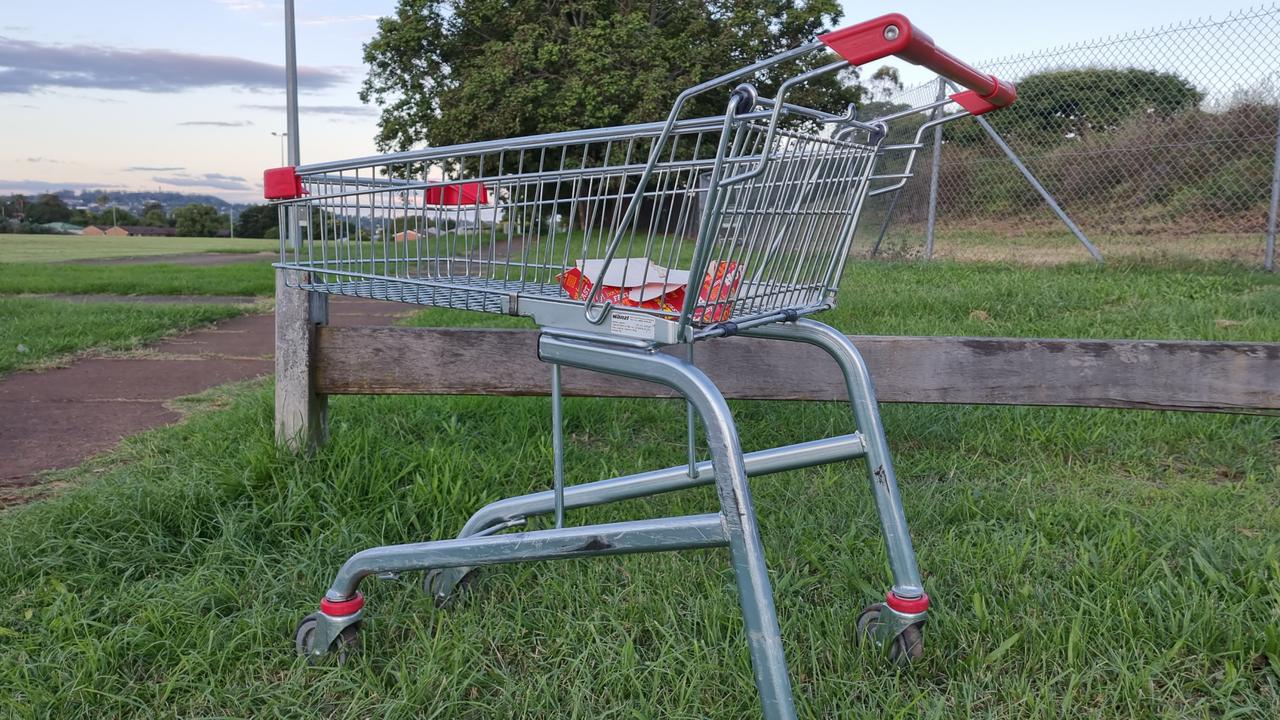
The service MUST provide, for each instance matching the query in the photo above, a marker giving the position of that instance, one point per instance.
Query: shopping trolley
(617, 242)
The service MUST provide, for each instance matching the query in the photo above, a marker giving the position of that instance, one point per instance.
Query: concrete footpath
(60, 418)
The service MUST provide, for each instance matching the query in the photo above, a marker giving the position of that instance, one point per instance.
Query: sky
(184, 96)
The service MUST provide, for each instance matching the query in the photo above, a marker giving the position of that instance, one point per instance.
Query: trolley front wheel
(305, 634)
(904, 648)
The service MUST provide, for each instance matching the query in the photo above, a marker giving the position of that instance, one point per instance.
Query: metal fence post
(300, 413)
(933, 176)
(1269, 255)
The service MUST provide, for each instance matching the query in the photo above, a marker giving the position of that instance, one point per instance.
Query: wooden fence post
(301, 413)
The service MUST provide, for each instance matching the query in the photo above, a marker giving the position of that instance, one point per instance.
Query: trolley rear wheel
(906, 647)
(304, 640)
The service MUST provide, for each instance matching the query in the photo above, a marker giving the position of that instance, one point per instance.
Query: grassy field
(35, 331)
(1083, 563)
(249, 278)
(1057, 246)
(1123, 300)
(56, 248)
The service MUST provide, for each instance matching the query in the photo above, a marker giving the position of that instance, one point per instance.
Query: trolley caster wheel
(343, 646)
(445, 587)
(905, 648)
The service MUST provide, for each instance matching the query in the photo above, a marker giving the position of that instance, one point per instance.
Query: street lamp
(282, 136)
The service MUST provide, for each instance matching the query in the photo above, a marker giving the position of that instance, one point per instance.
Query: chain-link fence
(1159, 141)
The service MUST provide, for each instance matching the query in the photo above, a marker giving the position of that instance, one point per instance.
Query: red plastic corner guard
(345, 607)
(973, 102)
(282, 183)
(472, 193)
(909, 606)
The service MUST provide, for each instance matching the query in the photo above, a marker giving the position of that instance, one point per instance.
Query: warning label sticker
(636, 325)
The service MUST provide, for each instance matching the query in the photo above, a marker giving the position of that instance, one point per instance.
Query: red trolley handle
(893, 34)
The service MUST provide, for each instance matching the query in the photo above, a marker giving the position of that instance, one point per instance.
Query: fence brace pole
(1269, 255)
(934, 173)
(300, 413)
(1031, 179)
(884, 224)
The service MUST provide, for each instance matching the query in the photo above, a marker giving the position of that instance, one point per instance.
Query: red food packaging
(637, 282)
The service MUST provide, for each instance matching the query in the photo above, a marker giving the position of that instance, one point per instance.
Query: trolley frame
(576, 331)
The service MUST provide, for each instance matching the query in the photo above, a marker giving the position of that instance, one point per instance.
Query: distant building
(150, 230)
(406, 236)
(131, 231)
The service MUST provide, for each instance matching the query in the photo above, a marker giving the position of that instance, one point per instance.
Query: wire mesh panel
(1169, 131)
(515, 226)
(718, 221)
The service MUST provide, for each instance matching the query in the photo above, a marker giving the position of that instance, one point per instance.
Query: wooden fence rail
(1165, 375)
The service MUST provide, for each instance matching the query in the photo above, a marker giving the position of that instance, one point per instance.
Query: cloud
(217, 123)
(337, 19)
(27, 66)
(352, 110)
(208, 180)
(146, 168)
(247, 5)
(274, 9)
(43, 160)
(34, 186)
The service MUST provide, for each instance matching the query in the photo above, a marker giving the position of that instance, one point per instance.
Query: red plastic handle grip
(893, 34)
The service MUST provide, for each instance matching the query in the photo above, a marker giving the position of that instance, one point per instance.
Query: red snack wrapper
(653, 287)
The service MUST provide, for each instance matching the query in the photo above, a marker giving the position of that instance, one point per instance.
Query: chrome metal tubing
(682, 533)
(602, 492)
(866, 412)
(755, 594)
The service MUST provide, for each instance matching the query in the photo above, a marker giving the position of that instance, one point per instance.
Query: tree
(454, 71)
(1056, 107)
(46, 209)
(883, 84)
(153, 214)
(255, 220)
(198, 220)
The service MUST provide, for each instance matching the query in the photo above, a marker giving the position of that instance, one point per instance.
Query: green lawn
(33, 331)
(1123, 300)
(54, 248)
(1082, 563)
(234, 279)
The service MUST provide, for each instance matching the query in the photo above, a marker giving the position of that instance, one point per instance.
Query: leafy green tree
(46, 209)
(198, 220)
(450, 71)
(153, 214)
(1056, 107)
(255, 220)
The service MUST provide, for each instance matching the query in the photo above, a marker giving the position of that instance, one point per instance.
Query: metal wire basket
(661, 231)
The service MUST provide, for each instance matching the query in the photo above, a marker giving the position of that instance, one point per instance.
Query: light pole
(282, 136)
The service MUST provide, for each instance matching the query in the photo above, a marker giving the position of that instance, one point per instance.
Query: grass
(1083, 563)
(55, 248)
(1039, 246)
(159, 279)
(1173, 300)
(35, 331)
